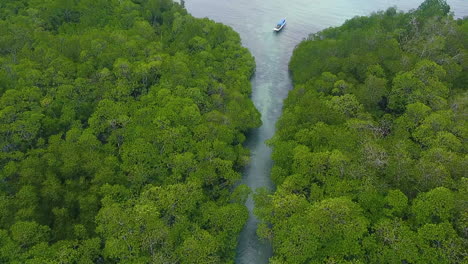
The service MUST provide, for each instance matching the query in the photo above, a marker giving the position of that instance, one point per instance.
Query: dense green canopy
(121, 131)
(371, 151)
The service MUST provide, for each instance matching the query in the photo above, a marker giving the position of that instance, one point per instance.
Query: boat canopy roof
(282, 21)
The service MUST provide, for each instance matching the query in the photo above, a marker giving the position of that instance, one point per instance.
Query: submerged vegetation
(370, 153)
(121, 131)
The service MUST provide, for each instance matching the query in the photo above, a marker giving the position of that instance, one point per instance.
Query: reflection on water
(254, 20)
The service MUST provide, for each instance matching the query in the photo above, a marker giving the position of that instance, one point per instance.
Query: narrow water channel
(254, 20)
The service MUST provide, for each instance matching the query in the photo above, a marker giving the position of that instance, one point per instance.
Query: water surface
(254, 20)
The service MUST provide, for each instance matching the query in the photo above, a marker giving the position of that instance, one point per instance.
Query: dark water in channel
(254, 20)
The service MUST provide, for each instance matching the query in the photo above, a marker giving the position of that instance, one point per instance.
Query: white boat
(280, 25)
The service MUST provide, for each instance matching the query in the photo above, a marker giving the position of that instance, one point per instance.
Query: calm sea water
(254, 20)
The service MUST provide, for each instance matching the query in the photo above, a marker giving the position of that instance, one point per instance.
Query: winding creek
(254, 20)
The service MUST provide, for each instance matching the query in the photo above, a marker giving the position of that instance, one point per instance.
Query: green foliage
(121, 132)
(431, 8)
(370, 152)
(434, 206)
(28, 233)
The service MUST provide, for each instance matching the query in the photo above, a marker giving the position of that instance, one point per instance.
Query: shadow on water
(254, 21)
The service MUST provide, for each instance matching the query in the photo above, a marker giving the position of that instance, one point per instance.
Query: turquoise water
(254, 20)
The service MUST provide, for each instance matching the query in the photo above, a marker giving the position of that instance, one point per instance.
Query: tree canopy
(121, 131)
(370, 153)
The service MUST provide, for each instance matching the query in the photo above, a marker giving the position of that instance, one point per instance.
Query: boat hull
(280, 28)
